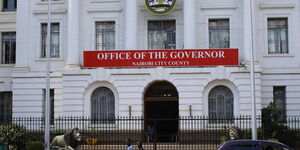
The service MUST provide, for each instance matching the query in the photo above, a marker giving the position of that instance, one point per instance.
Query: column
(131, 25)
(23, 35)
(73, 34)
(190, 24)
(248, 31)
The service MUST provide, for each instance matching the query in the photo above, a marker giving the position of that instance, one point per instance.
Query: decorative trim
(7, 65)
(51, 59)
(104, 1)
(54, 11)
(95, 10)
(219, 6)
(53, 2)
(276, 6)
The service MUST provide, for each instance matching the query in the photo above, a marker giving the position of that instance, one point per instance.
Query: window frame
(232, 40)
(96, 33)
(12, 43)
(228, 116)
(41, 51)
(282, 118)
(102, 119)
(161, 21)
(52, 105)
(229, 26)
(7, 8)
(290, 35)
(278, 30)
(7, 115)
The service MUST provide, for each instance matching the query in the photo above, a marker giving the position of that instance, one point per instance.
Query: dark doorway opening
(161, 112)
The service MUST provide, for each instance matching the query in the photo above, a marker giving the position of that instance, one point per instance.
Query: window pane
(277, 36)
(161, 35)
(51, 105)
(54, 52)
(219, 33)
(5, 107)
(8, 53)
(220, 102)
(279, 98)
(103, 105)
(9, 5)
(105, 35)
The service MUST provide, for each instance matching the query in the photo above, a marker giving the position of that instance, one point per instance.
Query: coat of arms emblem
(160, 7)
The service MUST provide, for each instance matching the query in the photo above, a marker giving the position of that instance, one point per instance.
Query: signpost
(155, 58)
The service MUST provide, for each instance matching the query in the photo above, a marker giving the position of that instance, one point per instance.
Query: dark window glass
(8, 53)
(220, 104)
(103, 105)
(54, 52)
(219, 33)
(279, 99)
(105, 35)
(5, 107)
(161, 35)
(278, 36)
(51, 105)
(9, 5)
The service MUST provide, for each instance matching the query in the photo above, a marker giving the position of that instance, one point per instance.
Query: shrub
(35, 145)
(15, 136)
(274, 128)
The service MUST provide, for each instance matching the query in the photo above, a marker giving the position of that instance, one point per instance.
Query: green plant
(274, 128)
(15, 136)
(35, 145)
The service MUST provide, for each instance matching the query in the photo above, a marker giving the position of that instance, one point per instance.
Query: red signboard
(155, 58)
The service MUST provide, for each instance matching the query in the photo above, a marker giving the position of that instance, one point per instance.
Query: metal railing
(184, 133)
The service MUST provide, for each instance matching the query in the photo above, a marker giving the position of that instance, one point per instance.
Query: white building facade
(79, 25)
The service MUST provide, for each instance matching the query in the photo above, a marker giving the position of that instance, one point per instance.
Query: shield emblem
(160, 7)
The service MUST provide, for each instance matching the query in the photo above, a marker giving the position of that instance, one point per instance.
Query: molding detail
(95, 10)
(53, 11)
(218, 6)
(276, 6)
(105, 1)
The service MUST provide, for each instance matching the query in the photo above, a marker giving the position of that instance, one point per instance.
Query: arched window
(220, 103)
(103, 103)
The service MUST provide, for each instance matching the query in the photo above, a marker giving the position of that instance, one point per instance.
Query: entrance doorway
(161, 112)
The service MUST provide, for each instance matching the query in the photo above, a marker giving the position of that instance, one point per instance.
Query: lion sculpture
(68, 141)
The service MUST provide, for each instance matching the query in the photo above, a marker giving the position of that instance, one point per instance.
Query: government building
(160, 30)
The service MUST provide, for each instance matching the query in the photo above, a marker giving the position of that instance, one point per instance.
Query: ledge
(53, 11)
(104, 1)
(51, 59)
(53, 2)
(93, 10)
(276, 6)
(219, 6)
(278, 55)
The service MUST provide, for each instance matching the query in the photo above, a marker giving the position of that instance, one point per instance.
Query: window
(54, 52)
(161, 35)
(220, 104)
(103, 105)
(9, 5)
(51, 105)
(219, 33)
(8, 52)
(279, 99)
(105, 35)
(278, 36)
(5, 107)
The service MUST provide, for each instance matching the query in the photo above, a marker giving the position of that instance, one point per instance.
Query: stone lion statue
(233, 133)
(68, 141)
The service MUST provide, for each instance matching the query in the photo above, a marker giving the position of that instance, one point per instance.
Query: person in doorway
(140, 145)
(128, 143)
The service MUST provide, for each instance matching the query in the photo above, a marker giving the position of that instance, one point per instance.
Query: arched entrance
(161, 111)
